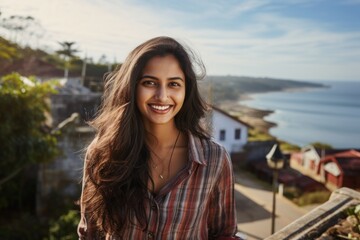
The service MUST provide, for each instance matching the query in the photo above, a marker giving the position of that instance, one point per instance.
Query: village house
(341, 170)
(307, 160)
(229, 131)
(335, 168)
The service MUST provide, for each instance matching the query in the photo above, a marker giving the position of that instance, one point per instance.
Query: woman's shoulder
(215, 146)
(211, 151)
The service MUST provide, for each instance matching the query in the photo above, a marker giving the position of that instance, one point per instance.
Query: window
(237, 133)
(222, 135)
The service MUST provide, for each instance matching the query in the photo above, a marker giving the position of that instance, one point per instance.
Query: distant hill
(224, 88)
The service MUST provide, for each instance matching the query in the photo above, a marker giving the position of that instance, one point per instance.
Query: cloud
(265, 43)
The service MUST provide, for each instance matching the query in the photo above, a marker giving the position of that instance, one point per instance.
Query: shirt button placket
(154, 219)
(150, 235)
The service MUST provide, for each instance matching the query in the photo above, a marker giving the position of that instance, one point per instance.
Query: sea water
(329, 115)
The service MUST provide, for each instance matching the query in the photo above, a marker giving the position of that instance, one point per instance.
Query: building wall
(62, 176)
(331, 179)
(310, 157)
(227, 124)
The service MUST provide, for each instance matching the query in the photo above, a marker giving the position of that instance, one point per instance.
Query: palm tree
(68, 52)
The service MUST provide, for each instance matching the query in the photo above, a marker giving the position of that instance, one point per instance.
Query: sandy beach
(252, 116)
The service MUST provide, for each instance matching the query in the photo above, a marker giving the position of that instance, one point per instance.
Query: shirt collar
(196, 149)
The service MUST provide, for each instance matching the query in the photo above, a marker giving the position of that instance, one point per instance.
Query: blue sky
(292, 39)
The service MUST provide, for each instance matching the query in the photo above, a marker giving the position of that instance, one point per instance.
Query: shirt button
(150, 235)
(153, 207)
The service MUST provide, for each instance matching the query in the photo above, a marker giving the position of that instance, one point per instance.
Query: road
(254, 207)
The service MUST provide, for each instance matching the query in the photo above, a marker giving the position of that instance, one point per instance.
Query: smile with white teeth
(160, 108)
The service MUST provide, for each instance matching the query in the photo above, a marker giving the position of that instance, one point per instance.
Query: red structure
(341, 169)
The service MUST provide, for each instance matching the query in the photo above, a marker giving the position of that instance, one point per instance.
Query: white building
(229, 131)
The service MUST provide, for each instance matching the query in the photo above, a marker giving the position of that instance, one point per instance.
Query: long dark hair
(117, 173)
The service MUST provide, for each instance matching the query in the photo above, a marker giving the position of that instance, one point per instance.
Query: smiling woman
(160, 92)
(152, 172)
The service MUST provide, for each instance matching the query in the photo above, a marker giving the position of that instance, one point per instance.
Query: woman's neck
(161, 136)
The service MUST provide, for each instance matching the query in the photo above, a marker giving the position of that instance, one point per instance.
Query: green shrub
(65, 227)
(291, 193)
(257, 135)
(312, 198)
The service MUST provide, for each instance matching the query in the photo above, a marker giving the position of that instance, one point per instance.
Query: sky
(288, 39)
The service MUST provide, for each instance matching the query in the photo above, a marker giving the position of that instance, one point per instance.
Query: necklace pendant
(161, 176)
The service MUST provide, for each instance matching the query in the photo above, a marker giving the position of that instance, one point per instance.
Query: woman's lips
(160, 108)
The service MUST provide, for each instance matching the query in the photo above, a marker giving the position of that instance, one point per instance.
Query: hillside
(231, 88)
(28, 61)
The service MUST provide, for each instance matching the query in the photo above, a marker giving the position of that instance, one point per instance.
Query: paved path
(254, 207)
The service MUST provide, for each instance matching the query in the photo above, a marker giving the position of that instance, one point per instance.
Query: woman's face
(160, 92)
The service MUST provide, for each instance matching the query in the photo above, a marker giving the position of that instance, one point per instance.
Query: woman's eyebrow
(176, 78)
(149, 76)
(155, 78)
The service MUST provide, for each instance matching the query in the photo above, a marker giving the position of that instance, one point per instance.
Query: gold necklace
(154, 166)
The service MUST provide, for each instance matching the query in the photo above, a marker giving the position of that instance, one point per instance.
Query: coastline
(252, 116)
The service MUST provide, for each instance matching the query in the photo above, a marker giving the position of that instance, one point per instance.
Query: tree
(22, 28)
(8, 51)
(25, 138)
(67, 52)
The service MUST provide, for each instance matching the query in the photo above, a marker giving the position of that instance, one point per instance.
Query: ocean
(328, 115)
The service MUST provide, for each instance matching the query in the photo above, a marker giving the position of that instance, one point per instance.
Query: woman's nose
(161, 93)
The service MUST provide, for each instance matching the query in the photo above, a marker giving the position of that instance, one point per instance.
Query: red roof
(347, 154)
(348, 161)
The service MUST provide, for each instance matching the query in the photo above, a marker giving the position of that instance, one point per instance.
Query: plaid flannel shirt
(196, 204)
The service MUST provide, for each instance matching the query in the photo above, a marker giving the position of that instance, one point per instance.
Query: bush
(312, 198)
(291, 193)
(65, 227)
(257, 135)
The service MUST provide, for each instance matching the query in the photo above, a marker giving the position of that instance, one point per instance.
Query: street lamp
(275, 161)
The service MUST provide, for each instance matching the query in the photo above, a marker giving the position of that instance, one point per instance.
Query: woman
(152, 172)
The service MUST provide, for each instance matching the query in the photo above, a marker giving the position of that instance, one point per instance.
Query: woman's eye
(174, 84)
(148, 83)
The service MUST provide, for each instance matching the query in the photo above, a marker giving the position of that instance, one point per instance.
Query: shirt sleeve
(222, 221)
